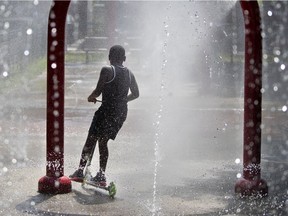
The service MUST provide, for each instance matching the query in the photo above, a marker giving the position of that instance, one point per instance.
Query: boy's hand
(91, 98)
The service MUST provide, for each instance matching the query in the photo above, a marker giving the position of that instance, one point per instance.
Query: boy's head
(117, 53)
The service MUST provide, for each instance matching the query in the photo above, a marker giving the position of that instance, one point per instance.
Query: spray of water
(175, 51)
(157, 124)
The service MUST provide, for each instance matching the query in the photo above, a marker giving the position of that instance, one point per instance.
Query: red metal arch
(251, 183)
(56, 182)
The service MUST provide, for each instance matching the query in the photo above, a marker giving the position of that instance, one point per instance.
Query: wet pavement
(175, 155)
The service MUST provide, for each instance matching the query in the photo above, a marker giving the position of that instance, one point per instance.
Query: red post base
(53, 185)
(246, 187)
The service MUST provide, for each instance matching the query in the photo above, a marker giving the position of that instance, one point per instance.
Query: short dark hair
(117, 53)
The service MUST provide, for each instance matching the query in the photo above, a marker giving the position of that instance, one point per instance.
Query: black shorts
(108, 120)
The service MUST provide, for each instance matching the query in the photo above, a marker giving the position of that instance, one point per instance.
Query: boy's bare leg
(104, 153)
(87, 151)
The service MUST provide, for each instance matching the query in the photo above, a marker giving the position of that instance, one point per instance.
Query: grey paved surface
(179, 163)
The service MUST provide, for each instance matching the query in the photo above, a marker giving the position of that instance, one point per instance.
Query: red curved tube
(55, 181)
(251, 183)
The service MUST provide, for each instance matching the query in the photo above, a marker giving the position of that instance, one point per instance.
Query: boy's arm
(133, 88)
(100, 85)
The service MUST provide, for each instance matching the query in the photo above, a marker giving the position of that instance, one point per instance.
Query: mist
(179, 65)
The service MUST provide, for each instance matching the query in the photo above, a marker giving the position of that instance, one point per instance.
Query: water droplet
(52, 15)
(54, 32)
(52, 24)
(269, 138)
(284, 108)
(269, 13)
(237, 161)
(26, 52)
(277, 52)
(56, 124)
(5, 74)
(2, 7)
(29, 31)
(276, 60)
(56, 113)
(57, 148)
(56, 104)
(53, 65)
(6, 25)
(238, 175)
(57, 184)
(282, 67)
(55, 43)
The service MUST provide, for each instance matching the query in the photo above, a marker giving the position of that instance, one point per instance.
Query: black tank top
(116, 90)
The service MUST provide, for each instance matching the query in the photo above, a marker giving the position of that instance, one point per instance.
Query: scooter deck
(111, 188)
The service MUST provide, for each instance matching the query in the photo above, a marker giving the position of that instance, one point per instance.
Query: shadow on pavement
(33, 205)
(30, 206)
(91, 197)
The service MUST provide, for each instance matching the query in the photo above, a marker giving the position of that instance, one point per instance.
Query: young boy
(114, 84)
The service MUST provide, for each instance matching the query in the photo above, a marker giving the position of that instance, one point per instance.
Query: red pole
(55, 181)
(251, 183)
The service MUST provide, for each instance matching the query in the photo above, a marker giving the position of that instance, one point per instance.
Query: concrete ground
(175, 155)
